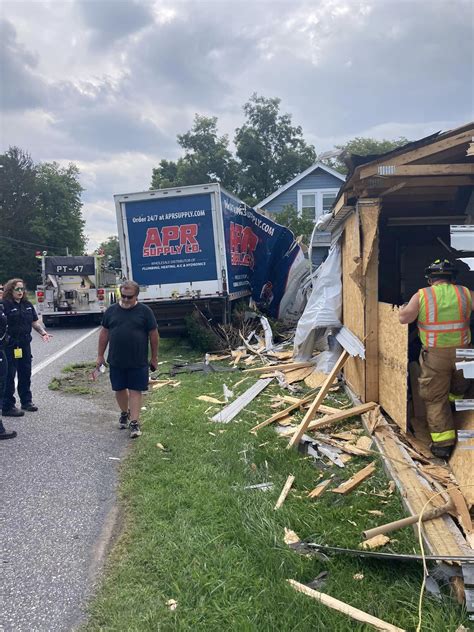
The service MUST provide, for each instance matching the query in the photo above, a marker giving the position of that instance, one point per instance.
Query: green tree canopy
(296, 223)
(364, 147)
(270, 149)
(111, 249)
(207, 158)
(40, 210)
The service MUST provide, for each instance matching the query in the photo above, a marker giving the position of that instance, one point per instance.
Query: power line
(31, 243)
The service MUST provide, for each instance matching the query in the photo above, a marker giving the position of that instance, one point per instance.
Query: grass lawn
(192, 533)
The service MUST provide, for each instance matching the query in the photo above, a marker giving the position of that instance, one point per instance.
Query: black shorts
(133, 379)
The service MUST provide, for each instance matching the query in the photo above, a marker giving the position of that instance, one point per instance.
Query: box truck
(201, 245)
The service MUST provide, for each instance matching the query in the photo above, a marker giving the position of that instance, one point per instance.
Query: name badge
(18, 353)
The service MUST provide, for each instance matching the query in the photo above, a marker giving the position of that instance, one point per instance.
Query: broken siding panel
(393, 364)
(353, 301)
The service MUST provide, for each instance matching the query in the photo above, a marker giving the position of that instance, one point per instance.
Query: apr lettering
(171, 240)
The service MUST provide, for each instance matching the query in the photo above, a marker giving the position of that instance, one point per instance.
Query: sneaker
(13, 412)
(29, 407)
(442, 452)
(4, 434)
(123, 421)
(135, 430)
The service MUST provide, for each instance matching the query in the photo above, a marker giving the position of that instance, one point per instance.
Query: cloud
(109, 22)
(20, 88)
(109, 85)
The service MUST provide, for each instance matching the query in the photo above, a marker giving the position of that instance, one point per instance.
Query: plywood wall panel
(462, 461)
(393, 364)
(353, 300)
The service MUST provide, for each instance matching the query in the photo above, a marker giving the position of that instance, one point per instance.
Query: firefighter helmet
(440, 268)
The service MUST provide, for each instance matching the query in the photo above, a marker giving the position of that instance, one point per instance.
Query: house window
(313, 203)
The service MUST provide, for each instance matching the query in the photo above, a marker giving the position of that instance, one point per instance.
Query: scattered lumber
(355, 480)
(319, 489)
(404, 522)
(340, 416)
(315, 379)
(340, 606)
(211, 400)
(282, 413)
(284, 492)
(375, 542)
(312, 410)
(288, 366)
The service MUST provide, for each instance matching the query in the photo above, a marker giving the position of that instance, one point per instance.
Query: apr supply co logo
(171, 240)
(243, 242)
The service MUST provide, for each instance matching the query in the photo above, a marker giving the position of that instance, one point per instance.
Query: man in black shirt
(127, 328)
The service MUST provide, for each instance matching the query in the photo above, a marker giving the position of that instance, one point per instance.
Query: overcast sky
(109, 84)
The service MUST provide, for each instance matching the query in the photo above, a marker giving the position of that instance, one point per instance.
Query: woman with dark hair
(21, 318)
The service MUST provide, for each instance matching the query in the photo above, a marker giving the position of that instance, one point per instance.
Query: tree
(270, 149)
(111, 249)
(207, 158)
(59, 220)
(298, 225)
(40, 210)
(19, 202)
(363, 147)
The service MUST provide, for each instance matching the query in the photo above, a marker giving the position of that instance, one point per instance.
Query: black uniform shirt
(128, 335)
(20, 317)
(3, 328)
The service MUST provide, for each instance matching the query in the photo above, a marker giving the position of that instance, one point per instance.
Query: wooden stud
(312, 410)
(463, 169)
(421, 152)
(289, 366)
(284, 492)
(318, 490)
(283, 413)
(358, 478)
(340, 416)
(340, 606)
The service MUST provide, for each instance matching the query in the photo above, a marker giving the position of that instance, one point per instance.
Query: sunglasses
(19, 289)
(128, 297)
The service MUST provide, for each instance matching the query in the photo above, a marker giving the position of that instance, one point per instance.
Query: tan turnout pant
(438, 379)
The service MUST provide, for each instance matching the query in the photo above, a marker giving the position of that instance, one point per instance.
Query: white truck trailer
(201, 245)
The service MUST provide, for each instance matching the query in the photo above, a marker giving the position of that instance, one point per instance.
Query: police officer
(443, 310)
(3, 371)
(21, 318)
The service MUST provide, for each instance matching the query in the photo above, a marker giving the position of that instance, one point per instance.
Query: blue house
(312, 193)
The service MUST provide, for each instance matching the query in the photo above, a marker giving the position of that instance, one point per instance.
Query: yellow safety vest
(443, 319)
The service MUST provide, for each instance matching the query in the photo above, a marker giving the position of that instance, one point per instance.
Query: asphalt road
(58, 481)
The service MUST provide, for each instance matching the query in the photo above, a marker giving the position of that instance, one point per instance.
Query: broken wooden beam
(318, 490)
(283, 413)
(288, 366)
(340, 606)
(340, 416)
(284, 492)
(358, 478)
(312, 410)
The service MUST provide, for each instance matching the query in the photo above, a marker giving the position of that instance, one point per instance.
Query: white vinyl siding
(313, 203)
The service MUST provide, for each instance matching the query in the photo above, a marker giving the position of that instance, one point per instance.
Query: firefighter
(443, 310)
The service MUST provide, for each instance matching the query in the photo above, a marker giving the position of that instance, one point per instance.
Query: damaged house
(391, 219)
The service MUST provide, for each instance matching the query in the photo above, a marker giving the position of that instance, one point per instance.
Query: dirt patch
(76, 379)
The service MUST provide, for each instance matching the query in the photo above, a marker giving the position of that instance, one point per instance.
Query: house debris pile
(428, 487)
